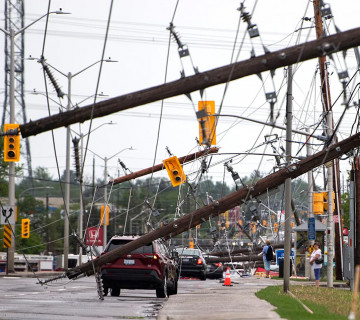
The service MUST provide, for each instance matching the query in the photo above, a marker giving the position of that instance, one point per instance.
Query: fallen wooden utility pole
(160, 166)
(217, 207)
(269, 61)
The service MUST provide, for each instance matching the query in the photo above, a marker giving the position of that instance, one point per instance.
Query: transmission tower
(14, 19)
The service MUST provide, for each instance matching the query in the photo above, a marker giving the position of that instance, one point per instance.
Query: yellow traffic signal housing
(25, 228)
(275, 229)
(191, 244)
(318, 202)
(207, 123)
(102, 209)
(175, 171)
(326, 201)
(11, 143)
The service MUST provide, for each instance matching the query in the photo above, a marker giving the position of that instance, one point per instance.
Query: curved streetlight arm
(131, 148)
(70, 75)
(21, 193)
(46, 14)
(29, 25)
(84, 135)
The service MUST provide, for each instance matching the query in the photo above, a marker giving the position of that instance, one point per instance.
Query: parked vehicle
(214, 270)
(148, 267)
(192, 263)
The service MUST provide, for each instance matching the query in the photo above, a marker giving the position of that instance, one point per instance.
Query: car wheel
(106, 291)
(203, 276)
(174, 288)
(115, 292)
(162, 291)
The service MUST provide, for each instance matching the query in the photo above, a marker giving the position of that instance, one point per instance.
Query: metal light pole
(69, 76)
(105, 189)
(12, 34)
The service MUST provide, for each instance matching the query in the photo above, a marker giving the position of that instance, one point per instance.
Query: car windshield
(188, 252)
(117, 243)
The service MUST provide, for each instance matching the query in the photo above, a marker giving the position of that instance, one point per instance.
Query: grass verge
(326, 303)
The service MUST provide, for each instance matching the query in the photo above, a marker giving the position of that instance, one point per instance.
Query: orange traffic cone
(227, 281)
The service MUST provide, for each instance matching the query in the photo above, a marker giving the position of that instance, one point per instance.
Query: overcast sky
(138, 40)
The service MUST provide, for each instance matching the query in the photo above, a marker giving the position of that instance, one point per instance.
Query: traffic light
(326, 201)
(25, 228)
(175, 171)
(191, 244)
(275, 227)
(318, 202)
(12, 143)
(102, 209)
(207, 132)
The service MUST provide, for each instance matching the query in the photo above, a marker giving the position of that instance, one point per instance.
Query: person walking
(267, 257)
(316, 262)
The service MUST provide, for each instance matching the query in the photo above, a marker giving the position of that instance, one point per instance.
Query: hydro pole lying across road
(217, 207)
(270, 61)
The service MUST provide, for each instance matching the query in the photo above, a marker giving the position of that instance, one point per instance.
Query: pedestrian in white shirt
(316, 262)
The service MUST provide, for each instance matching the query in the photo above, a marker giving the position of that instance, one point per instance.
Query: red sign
(345, 231)
(94, 236)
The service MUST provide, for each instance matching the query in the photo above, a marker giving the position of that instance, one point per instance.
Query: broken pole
(158, 167)
(219, 206)
(270, 61)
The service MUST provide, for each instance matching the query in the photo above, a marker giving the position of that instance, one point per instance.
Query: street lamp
(69, 76)
(105, 188)
(12, 34)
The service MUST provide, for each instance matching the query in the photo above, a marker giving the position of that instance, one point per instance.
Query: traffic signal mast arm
(230, 201)
(269, 61)
(160, 166)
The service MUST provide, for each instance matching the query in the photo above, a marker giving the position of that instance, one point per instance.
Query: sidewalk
(219, 302)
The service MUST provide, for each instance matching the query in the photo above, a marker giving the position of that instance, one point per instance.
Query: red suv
(148, 267)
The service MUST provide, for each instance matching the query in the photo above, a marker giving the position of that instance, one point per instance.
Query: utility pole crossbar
(230, 201)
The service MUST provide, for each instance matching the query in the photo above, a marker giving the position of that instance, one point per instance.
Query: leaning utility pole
(269, 61)
(160, 166)
(215, 208)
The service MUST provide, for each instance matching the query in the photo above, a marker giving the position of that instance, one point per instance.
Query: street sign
(7, 236)
(94, 236)
(311, 229)
(7, 215)
(280, 255)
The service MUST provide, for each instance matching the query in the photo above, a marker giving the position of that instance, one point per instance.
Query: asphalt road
(23, 298)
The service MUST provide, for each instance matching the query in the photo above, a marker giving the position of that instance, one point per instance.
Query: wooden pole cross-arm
(230, 201)
(270, 61)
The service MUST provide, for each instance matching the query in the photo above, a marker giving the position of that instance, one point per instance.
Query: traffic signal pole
(11, 250)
